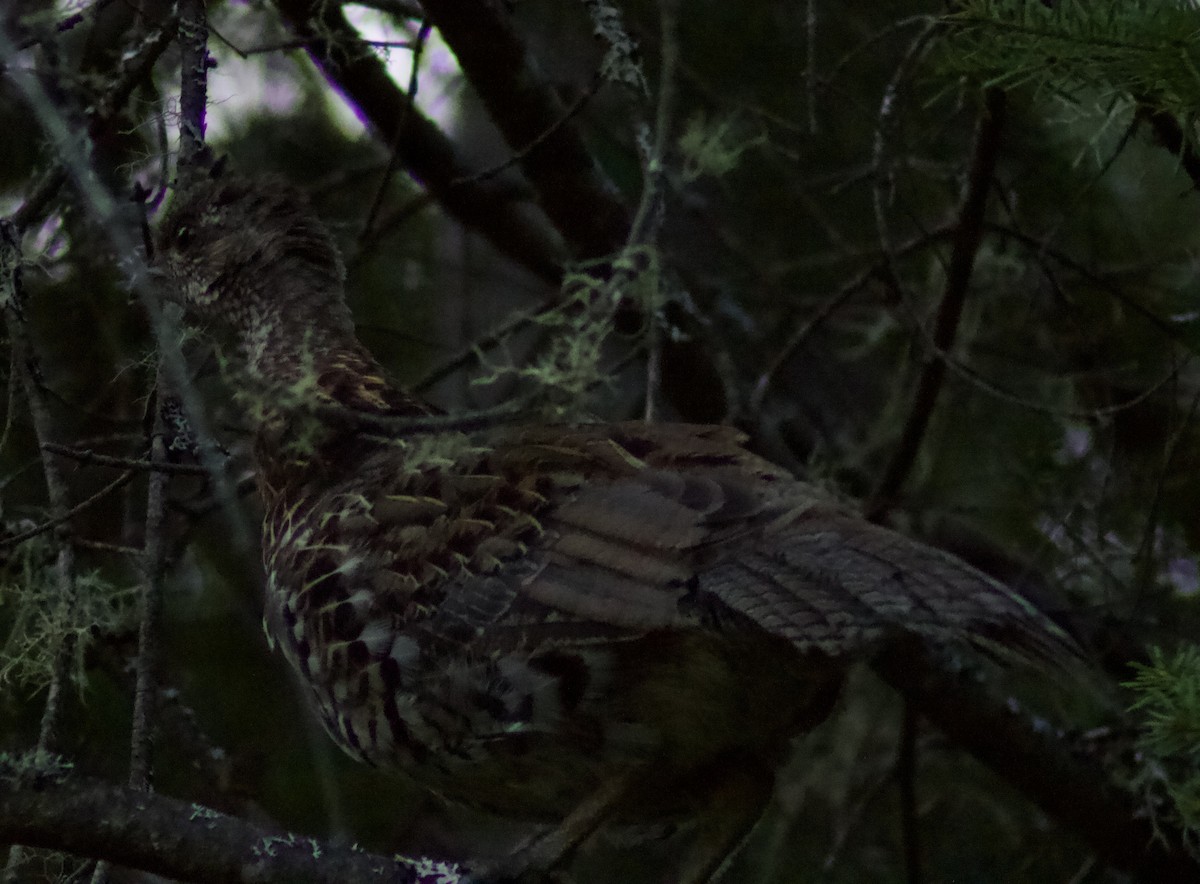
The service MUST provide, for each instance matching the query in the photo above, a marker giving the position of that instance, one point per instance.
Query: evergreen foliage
(1167, 692)
(1146, 51)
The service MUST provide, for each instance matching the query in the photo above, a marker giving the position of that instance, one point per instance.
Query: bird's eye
(183, 236)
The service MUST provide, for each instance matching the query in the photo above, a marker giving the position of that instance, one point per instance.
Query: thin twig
(648, 218)
(810, 64)
(886, 31)
(65, 516)
(1043, 249)
(968, 237)
(1144, 557)
(479, 346)
(395, 219)
(828, 307)
(1170, 134)
(418, 49)
(518, 157)
(103, 546)
(880, 163)
(396, 426)
(86, 455)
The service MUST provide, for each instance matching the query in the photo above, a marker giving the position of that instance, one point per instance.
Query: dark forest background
(939, 258)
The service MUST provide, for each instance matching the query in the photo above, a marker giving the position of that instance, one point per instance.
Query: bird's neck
(311, 386)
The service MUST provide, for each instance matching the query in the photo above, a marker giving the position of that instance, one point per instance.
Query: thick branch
(579, 200)
(504, 218)
(193, 98)
(490, 207)
(180, 840)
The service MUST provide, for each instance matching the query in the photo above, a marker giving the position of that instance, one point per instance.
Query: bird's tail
(832, 582)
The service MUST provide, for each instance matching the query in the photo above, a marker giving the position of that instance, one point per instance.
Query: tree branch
(579, 200)
(27, 366)
(62, 516)
(86, 455)
(968, 236)
(166, 836)
(136, 65)
(507, 220)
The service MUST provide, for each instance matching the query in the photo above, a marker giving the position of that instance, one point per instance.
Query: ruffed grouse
(586, 622)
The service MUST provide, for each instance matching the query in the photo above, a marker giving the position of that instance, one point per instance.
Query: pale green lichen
(34, 766)
(712, 149)
(572, 364)
(42, 617)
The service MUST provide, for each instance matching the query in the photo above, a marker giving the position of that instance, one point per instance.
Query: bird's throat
(309, 394)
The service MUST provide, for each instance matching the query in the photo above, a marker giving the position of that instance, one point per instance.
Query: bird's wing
(618, 530)
(698, 528)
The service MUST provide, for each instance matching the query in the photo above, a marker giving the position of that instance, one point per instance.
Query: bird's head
(249, 255)
(252, 261)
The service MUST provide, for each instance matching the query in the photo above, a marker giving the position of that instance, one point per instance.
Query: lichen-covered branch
(184, 841)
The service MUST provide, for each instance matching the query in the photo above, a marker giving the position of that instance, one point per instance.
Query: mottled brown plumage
(603, 620)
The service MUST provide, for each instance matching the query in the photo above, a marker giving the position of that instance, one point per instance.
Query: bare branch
(418, 50)
(135, 66)
(579, 200)
(66, 515)
(86, 455)
(968, 236)
(508, 220)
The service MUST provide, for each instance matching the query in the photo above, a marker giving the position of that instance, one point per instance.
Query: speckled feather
(517, 616)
